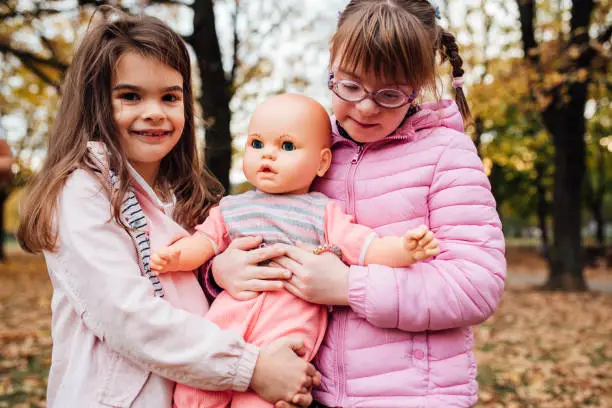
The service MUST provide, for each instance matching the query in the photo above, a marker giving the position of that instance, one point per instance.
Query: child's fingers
(303, 399)
(174, 254)
(163, 254)
(426, 239)
(410, 243)
(433, 252)
(416, 233)
(245, 243)
(157, 262)
(433, 244)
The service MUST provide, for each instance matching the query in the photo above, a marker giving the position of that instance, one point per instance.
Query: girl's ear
(325, 162)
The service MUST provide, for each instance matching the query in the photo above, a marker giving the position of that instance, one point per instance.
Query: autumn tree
(561, 70)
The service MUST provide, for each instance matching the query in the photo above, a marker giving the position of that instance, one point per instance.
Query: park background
(539, 84)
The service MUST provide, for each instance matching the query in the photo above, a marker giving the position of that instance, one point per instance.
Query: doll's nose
(269, 153)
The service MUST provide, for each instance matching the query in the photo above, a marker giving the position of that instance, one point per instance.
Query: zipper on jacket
(350, 180)
(341, 372)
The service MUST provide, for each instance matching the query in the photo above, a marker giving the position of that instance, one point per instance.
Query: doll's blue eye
(288, 146)
(256, 144)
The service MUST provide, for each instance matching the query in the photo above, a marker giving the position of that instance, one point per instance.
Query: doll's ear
(325, 162)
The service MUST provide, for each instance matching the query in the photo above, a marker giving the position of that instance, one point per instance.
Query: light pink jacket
(114, 343)
(406, 341)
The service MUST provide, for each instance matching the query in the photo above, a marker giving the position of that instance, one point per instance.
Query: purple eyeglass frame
(411, 97)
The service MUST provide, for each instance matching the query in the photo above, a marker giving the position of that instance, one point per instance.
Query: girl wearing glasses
(397, 337)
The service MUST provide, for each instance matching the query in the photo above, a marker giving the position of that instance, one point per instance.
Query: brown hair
(86, 114)
(397, 40)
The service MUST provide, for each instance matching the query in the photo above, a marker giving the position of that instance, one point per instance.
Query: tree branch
(47, 79)
(28, 56)
(593, 48)
(170, 2)
(29, 15)
(605, 35)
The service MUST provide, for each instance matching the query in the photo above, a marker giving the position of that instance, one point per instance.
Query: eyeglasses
(352, 91)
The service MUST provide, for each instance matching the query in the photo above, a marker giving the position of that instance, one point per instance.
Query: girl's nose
(153, 112)
(367, 106)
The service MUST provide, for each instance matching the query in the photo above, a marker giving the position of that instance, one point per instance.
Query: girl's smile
(363, 124)
(152, 134)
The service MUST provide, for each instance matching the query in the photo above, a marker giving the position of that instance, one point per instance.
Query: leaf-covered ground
(539, 350)
(25, 336)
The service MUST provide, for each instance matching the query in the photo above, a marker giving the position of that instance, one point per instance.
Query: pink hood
(406, 340)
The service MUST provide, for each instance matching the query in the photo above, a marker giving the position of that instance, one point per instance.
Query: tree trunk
(542, 211)
(3, 197)
(564, 119)
(478, 130)
(6, 175)
(214, 97)
(597, 213)
(566, 123)
(598, 204)
(496, 176)
(594, 195)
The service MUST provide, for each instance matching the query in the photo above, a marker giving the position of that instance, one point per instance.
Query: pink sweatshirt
(406, 340)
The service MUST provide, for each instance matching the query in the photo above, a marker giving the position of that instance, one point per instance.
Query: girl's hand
(280, 375)
(165, 260)
(237, 268)
(304, 400)
(321, 279)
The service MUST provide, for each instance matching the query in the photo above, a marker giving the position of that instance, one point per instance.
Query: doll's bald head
(293, 113)
(288, 144)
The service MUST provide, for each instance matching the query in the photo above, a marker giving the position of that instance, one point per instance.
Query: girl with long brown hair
(122, 176)
(398, 337)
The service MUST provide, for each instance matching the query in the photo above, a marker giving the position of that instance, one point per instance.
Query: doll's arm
(186, 254)
(360, 245)
(416, 245)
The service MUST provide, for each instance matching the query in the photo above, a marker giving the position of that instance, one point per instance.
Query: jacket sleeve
(463, 285)
(97, 267)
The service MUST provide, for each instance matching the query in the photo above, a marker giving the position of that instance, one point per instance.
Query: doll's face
(287, 145)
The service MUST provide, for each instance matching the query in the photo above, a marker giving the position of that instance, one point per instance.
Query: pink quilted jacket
(406, 340)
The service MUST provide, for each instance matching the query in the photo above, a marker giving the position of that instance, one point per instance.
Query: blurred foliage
(513, 139)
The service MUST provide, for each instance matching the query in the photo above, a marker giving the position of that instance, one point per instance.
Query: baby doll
(288, 145)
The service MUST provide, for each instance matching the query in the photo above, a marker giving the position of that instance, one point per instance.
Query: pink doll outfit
(310, 218)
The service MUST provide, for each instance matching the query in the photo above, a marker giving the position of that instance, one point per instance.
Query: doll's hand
(421, 244)
(165, 260)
